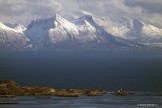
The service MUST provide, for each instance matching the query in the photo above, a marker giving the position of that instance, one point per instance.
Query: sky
(23, 11)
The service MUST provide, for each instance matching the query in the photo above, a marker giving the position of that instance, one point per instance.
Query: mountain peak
(59, 19)
(84, 20)
(47, 23)
(42, 23)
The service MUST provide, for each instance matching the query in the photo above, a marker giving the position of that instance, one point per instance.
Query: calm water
(107, 101)
(110, 70)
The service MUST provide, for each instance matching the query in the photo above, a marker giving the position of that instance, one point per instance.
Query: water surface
(110, 70)
(105, 101)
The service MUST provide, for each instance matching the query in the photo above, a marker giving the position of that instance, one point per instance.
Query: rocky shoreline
(11, 89)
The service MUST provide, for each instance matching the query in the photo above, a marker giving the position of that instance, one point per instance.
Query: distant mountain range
(87, 32)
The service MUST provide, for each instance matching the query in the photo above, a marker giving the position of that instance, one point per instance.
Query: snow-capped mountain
(86, 32)
(12, 38)
(57, 32)
(132, 29)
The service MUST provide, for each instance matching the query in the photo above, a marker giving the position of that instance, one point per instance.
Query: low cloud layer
(23, 11)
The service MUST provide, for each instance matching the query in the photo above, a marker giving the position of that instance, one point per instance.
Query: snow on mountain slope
(105, 36)
(132, 29)
(63, 30)
(113, 27)
(11, 38)
(145, 33)
(82, 33)
(16, 27)
(153, 35)
(4, 27)
(151, 30)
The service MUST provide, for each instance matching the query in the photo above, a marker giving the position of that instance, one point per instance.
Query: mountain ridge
(86, 32)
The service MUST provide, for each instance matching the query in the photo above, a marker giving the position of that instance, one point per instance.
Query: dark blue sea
(109, 70)
(137, 71)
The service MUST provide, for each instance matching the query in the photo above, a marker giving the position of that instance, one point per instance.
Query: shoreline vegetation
(9, 89)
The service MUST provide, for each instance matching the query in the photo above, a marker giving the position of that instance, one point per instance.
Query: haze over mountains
(87, 32)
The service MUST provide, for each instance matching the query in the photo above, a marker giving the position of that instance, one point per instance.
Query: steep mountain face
(11, 38)
(38, 30)
(57, 32)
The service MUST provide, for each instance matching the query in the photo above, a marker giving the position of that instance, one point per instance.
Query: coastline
(10, 89)
(11, 93)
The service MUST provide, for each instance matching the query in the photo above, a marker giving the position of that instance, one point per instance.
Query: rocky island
(9, 88)
(122, 92)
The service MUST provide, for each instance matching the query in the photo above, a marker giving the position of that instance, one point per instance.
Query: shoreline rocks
(96, 92)
(11, 89)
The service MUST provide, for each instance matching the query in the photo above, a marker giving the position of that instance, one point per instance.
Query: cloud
(23, 11)
(99, 7)
(30, 6)
(20, 10)
(111, 8)
(152, 6)
(44, 7)
(70, 5)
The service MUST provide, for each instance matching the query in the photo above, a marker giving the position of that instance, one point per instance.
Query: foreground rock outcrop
(10, 89)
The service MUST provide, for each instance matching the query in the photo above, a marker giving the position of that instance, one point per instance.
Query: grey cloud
(152, 6)
(24, 10)
(7, 8)
(70, 5)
